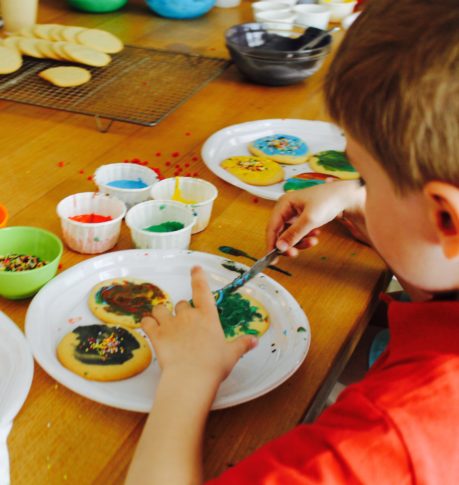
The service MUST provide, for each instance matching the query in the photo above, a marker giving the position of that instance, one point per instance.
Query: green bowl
(33, 241)
(97, 6)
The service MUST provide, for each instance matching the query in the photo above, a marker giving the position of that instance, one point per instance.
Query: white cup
(339, 9)
(312, 15)
(269, 5)
(276, 19)
(18, 14)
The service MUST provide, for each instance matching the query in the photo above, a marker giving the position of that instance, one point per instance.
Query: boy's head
(394, 87)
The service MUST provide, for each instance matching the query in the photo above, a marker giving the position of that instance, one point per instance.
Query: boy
(394, 88)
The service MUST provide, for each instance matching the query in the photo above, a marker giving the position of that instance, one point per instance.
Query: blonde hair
(394, 86)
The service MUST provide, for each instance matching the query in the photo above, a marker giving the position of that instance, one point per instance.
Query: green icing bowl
(35, 242)
(97, 6)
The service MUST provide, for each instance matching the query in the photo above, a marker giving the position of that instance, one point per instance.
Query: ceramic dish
(258, 372)
(233, 140)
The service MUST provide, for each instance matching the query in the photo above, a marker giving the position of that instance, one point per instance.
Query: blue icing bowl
(180, 9)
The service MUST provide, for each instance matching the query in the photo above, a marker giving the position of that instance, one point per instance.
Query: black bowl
(273, 57)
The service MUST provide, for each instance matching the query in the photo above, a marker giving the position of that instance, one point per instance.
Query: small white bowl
(154, 212)
(276, 19)
(200, 191)
(125, 171)
(316, 16)
(91, 238)
(339, 9)
(270, 5)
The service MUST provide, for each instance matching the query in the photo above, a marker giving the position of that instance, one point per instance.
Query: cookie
(86, 55)
(254, 170)
(69, 34)
(104, 352)
(66, 76)
(43, 31)
(307, 179)
(100, 40)
(242, 315)
(125, 301)
(28, 47)
(45, 48)
(333, 162)
(10, 60)
(280, 148)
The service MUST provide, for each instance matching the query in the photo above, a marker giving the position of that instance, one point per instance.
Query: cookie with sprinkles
(104, 352)
(280, 148)
(333, 162)
(125, 301)
(254, 170)
(307, 179)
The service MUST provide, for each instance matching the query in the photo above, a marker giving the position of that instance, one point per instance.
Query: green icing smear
(236, 313)
(104, 345)
(300, 329)
(334, 160)
(169, 226)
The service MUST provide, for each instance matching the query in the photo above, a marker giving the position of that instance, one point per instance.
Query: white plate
(233, 140)
(16, 369)
(62, 304)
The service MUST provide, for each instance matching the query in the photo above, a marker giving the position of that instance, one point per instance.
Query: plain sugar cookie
(86, 55)
(10, 60)
(100, 40)
(104, 353)
(66, 76)
(254, 170)
(280, 148)
(125, 301)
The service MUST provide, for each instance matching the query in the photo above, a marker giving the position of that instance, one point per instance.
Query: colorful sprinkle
(175, 154)
(60, 164)
(20, 262)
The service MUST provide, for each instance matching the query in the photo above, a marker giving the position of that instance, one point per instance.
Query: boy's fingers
(243, 344)
(282, 212)
(149, 325)
(293, 234)
(202, 296)
(161, 313)
(181, 305)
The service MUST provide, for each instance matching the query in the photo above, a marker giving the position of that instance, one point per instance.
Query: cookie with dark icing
(254, 170)
(333, 162)
(125, 301)
(104, 352)
(306, 180)
(281, 148)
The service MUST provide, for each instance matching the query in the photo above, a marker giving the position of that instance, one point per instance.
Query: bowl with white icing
(129, 182)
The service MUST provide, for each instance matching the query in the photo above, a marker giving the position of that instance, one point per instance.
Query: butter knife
(241, 280)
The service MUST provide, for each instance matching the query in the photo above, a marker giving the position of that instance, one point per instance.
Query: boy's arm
(298, 214)
(194, 358)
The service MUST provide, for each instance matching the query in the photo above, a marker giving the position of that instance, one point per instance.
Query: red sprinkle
(158, 154)
(188, 133)
(187, 165)
(90, 178)
(176, 173)
(177, 166)
(255, 200)
(168, 163)
(195, 159)
(175, 154)
(196, 174)
(188, 174)
(90, 218)
(60, 266)
(60, 164)
(81, 171)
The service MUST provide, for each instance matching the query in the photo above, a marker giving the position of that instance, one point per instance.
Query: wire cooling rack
(139, 86)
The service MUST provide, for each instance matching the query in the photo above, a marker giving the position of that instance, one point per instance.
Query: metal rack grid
(139, 86)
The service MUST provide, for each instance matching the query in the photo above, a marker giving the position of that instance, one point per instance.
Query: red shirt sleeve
(352, 442)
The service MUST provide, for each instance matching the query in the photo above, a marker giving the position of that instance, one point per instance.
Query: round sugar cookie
(43, 31)
(28, 47)
(306, 180)
(45, 47)
(12, 42)
(241, 314)
(281, 148)
(69, 33)
(125, 301)
(333, 162)
(86, 55)
(100, 40)
(254, 170)
(10, 60)
(104, 352)
(66, 76)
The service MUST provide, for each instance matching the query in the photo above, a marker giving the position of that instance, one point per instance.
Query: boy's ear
(443, 203)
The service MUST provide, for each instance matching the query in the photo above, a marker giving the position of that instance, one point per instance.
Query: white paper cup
(275, 19)
(339, 9)
(202, 192)
(270, 5)
(18, 14)
(154, 212)
(125, 171)
(88, 238)
(312, 15)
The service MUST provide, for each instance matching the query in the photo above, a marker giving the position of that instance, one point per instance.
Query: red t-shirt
(399, 425)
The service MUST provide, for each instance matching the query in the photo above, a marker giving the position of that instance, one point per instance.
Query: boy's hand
(192, 341)
(298, 214)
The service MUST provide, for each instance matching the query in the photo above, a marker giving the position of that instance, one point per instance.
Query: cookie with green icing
(242, 315)
(333, 162)
(125, 301)
(306, 180)
(104, 352)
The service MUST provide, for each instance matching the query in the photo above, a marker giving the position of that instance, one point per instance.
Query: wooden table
(61, 437)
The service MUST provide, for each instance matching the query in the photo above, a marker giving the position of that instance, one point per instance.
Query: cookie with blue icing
(280, 148)
(306, 180)
(254, 170)
(333, 162)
